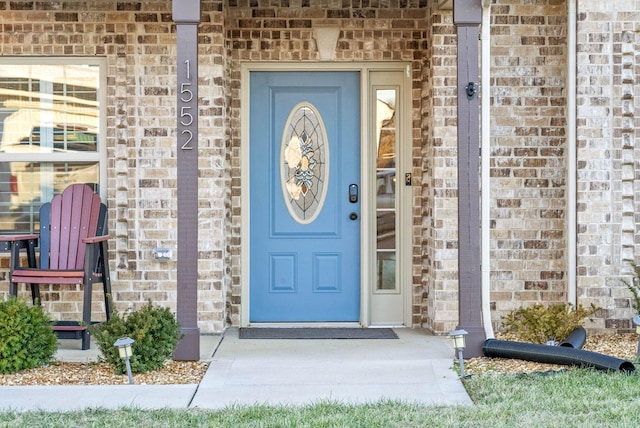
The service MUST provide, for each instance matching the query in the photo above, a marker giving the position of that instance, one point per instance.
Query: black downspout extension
(563, 355)
(576, 338)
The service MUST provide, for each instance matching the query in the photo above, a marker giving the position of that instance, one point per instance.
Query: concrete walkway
(414, 368)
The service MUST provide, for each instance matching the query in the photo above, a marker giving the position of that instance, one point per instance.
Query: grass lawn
(576, 398)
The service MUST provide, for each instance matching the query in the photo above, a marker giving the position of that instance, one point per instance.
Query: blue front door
(305, 196)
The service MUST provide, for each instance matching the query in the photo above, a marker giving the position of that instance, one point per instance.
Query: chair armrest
(17, 241)
(12, 238)
(96, 239)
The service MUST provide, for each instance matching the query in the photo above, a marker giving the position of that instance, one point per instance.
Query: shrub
(26, 337)
(155, 331)
(633, 287)
(540, 323)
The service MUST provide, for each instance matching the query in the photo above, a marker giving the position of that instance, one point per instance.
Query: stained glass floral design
(304, 169)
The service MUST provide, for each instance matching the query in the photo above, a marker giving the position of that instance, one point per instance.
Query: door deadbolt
(353, 193)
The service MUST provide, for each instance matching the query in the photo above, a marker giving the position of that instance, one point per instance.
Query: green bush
(634, 288)
(155, 331)
(540, 323)
(26, 337)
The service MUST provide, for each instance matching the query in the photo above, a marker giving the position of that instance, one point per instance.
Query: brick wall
(528, 154)
(439, 230)
(608, 190)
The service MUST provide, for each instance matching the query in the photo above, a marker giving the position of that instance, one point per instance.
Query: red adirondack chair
(73, 250)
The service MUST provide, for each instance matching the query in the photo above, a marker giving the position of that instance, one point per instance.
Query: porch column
(467, 16)
(186, 14)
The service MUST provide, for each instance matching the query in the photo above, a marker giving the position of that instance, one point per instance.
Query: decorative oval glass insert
(304, 163)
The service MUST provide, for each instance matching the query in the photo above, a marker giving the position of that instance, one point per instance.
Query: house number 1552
(186, 117)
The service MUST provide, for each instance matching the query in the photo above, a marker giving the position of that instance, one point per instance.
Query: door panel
(304, 155)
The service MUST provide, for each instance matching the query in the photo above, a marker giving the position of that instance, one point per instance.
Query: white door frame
(368, 219)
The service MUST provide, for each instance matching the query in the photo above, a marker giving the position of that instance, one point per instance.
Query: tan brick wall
(528, 154)
(439, 210)
(608, 153)
(529, 215)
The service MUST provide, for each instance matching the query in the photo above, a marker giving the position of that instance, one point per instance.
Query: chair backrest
(71, 216)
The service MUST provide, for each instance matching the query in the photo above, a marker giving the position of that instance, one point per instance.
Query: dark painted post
(186, 15)
(467, 16)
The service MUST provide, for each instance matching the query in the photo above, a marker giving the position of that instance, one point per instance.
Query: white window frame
(100, 155)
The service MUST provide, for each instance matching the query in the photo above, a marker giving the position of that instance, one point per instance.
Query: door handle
(353, 193)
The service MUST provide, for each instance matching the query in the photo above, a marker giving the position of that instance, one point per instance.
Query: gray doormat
(317, 333)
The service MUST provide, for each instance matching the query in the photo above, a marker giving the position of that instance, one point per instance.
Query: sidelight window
(386, 205)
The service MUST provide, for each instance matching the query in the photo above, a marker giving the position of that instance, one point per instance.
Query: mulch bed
(60, 373)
